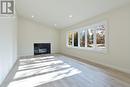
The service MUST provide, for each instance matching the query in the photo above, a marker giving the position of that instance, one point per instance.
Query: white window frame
(93, 26)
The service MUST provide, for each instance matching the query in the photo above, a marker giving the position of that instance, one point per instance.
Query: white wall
(118, 55)
(30, 32)
(8, 45)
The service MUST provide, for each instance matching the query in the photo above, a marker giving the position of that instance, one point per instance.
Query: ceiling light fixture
(55, 25)
(32, 16)
(70, 16)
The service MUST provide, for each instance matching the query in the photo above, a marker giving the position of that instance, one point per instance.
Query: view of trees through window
(82, 38)
(100, 36)
(75, 38)
(91, 37)
(70, 39)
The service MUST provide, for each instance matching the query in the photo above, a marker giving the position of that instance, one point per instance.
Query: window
(70, 39)
(75, 38)
(100, 36)
(92, 37)
(82, 38)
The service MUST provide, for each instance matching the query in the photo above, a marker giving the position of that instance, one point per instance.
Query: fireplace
(42, 48)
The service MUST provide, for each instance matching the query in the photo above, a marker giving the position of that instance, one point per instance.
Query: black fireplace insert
(42, 48)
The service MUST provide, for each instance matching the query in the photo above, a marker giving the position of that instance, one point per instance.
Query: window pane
(82, 39)
(75, 38)
(100, 36)
(70, 39)
(90, 38)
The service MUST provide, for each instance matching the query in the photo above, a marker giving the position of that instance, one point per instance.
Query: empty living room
(64, 43)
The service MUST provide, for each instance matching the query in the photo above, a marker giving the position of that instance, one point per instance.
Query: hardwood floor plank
(65, 72)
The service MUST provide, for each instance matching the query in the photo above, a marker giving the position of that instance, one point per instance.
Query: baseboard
(104, 68)
(126, 71)
(111, 70)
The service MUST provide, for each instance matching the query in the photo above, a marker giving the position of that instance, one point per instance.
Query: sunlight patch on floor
(47, 57)
(39, 64)
(40, 70)
(45, 78)
(31, 75)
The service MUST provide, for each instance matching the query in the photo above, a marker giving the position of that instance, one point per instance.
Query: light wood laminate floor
(58, 71)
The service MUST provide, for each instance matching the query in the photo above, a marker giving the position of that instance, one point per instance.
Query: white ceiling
(50, 12)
